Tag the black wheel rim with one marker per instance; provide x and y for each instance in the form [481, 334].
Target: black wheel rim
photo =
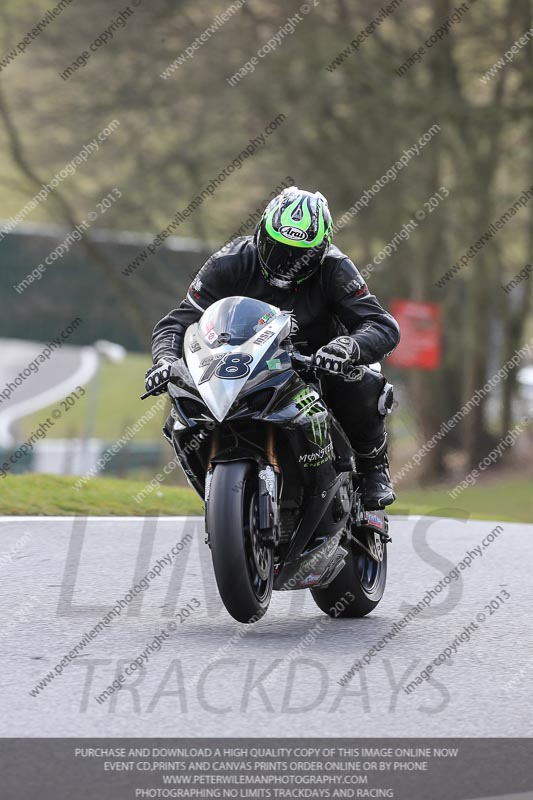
[368, 570]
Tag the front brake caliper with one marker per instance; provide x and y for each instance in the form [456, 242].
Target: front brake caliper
[207, 492]
[269, 527]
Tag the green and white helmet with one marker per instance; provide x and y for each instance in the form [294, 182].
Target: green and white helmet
[293, 236]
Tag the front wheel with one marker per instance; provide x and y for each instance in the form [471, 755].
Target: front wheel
[243, 564]
[358, 587]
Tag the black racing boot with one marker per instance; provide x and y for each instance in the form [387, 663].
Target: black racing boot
[375, 481]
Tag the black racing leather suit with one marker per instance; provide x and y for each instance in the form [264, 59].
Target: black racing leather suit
[334, 302]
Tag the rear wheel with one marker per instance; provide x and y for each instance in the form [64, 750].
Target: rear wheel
[358, 587]
[243, 564]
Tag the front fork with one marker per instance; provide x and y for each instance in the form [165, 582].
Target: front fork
[268, 490]
[269, 522]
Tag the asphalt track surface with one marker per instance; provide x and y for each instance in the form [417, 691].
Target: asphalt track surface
[213, 676]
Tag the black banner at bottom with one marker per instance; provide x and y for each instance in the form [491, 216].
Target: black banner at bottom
[405, 769]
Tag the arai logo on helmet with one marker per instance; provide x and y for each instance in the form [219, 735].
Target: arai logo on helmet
[293, 233]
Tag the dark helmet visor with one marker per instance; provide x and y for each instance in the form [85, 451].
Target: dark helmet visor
[287, 263]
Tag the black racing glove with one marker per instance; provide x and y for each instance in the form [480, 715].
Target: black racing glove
[337, 356]
[157, 377]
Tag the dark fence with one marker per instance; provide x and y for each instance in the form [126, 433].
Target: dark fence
[40, 298]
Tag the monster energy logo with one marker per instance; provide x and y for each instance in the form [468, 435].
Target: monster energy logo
[321, 456]
[310, 404]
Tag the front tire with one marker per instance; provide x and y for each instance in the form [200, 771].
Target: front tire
[243, 565]
[358, 588]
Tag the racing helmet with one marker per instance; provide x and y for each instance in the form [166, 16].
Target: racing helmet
[293, 237]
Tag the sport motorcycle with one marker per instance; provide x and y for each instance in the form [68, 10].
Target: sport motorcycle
[257, 442]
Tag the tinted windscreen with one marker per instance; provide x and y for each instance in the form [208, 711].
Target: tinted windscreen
[234, 320]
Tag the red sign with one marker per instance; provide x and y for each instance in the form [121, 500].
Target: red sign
[420, 326]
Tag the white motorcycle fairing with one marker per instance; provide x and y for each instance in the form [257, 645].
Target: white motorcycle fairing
[221, 371]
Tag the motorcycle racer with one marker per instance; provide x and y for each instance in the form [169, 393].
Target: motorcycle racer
[291, 263]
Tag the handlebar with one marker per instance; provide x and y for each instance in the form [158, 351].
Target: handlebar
[151, 393]
[297, 359]
[308, 362]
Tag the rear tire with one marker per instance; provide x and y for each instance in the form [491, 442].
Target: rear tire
[357, 589]
[244, 567]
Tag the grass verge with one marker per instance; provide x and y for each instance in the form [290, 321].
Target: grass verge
[118, 405]
[53, 495]
[510, 501]
[505, 501]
